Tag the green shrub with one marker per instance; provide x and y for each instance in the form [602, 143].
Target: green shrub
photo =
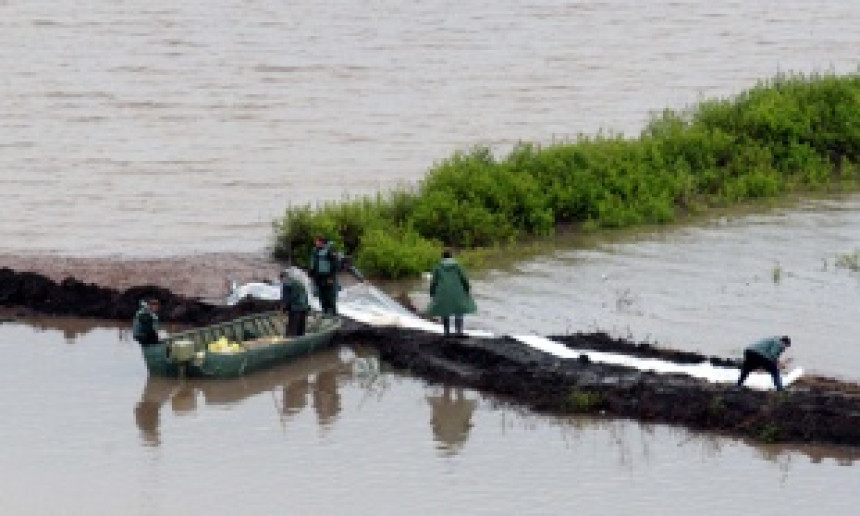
[397, 253]
[793, 133]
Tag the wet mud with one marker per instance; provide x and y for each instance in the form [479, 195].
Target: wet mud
[815, 410]
[30, 293]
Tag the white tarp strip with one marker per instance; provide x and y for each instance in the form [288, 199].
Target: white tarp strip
[367, 304]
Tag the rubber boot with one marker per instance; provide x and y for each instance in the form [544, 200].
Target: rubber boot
[458, 325]
[446, 325]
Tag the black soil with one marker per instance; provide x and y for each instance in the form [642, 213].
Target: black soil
[27, 293]
[814, 410]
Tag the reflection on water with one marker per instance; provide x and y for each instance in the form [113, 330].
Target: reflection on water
[452, 418]
[315, 377]
[277, 438]
[72, 328]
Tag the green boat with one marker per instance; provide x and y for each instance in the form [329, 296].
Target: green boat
[237, 347]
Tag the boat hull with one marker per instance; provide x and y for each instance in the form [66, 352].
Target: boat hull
[261, 338]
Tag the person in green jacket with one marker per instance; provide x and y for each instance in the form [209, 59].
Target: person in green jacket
[764, 354]
[294, 301]
[145, 326]
[323, 270]
[325, 264]
[451, 295]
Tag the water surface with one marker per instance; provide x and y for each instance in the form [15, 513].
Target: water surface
[334, 435]
[172, 127]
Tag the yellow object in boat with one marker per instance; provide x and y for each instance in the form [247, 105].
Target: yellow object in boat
[222, 345]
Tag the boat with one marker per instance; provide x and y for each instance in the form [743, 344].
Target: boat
[237, 347]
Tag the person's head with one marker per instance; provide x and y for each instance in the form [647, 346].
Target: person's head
[447, 253]
[785, 340]
[319, 242]
[153, 304]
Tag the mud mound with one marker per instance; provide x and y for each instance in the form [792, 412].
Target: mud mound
[30, 292]
[201, 276]
[600, 341]
[523, 375]
[817, 410]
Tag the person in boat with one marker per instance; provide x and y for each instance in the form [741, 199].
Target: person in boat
[765, 354]
[450, 293]
[325, 264]
[145, 326]
[294, 301]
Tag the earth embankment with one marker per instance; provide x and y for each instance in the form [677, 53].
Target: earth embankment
[814, 410]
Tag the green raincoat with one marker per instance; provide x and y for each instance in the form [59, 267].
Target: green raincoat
[450, 290]
[770, 348]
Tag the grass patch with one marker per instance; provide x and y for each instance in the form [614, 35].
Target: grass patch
[850, 261]
[584, 401]
[770, 433]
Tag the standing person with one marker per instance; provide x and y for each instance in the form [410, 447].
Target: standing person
[294, 301]
[764, 354]
[145, 326]
[450, 292]
[323, 271]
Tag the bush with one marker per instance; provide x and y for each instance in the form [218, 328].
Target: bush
[397, 253]
[790, 133]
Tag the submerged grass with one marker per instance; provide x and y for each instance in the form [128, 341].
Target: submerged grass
[850, 261]
[789, 134]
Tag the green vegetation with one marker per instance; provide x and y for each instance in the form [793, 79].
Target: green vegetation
[789, 134]
[776, 273]
[717, 406]
[584, 401]
[769, 433]
[850, 261]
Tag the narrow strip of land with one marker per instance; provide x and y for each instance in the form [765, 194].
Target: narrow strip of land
[814, 410]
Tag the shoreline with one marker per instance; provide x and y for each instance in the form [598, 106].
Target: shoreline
[814, 410]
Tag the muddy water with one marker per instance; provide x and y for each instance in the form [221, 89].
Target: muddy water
[335, 435]
[711, 287]
[165, 128]
[170, 127]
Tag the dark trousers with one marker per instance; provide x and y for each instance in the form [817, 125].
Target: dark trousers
[327, 292]
[458, 324]
[753, 361]
[147, 339]
[296, 322]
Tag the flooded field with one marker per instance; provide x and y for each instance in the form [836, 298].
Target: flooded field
[334, 434]
[711, 287]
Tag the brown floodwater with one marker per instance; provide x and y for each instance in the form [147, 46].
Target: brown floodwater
[710, 287]
[87, 432]
[166, 128]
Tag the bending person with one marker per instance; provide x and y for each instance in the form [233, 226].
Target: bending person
[294, 301]
[764, 354]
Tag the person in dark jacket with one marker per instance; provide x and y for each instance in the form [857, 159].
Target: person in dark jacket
[323, 272]
[451, 295]
[764, 354]
[325, 264]
[145, 326]
[294, 301]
